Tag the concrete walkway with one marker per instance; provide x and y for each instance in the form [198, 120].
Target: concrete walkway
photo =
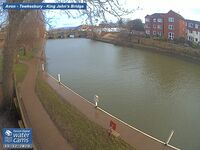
[131, 135]
[45, 134]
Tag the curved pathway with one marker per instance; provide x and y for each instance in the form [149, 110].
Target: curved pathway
[45, 134]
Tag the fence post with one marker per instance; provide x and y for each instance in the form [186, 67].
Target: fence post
[42, 67]
[96, 100]
[58, 78]
[169, 138]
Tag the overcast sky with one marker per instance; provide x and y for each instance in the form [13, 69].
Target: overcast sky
[189, 9]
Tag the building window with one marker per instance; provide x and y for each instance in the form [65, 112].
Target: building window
[147, 32]
[190, 38]
[197, 32]
[160, 20]
[147, 26]
[171, 19]
[170, 27]
[154, 32]
[154, 19]
[159, 27]
[159, 34]
[190, 31]
[196, 39]
[190, 25]
[170, 35]
[147, 19]
[196, 26]
[154, 26]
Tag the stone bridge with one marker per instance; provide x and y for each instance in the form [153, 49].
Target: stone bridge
[61, 34]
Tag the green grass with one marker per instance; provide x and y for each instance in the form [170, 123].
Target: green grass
[20, 71]
[29, 54]
[82, 133]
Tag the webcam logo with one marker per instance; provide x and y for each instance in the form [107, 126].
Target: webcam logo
[8, 133]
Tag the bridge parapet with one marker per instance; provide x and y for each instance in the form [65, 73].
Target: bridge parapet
[60, 34]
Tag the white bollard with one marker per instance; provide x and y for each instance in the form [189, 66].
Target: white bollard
[42, 67]
[169, 138]
[58, 78]
[96, 100]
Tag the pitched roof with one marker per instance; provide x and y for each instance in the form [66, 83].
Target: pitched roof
[155, 15]
[193, 21]
[178, 15]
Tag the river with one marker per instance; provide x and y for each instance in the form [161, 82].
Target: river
[154, 93]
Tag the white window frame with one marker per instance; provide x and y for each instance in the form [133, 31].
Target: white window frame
[148, 32]
[190, 38]
[170, 19]
[170, 27]
[196, 26]
[159, 33]
[147, 26]
[159, 26]
[160, 20]
[170, 35]
[154, 19]
[147, 20]
[190, 25]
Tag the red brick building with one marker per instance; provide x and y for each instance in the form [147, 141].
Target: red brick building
[170, 25]
[154, 24]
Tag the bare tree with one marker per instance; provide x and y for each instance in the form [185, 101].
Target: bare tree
[96, 10]
[99, 10]
[3, 18]
[30, 31]
[15, 18]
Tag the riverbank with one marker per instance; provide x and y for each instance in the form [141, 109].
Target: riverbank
[129, 134]
[75, 126]
[186, 53]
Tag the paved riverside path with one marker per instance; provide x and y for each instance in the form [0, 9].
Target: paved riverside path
[45, 134]
[131, 135]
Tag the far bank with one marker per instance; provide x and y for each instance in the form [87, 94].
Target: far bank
[154, 45]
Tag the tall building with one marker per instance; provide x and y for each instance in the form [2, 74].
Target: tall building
[154, 24]
[193, 31]
[169, 25]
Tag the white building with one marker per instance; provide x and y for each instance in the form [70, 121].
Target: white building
[193, 31]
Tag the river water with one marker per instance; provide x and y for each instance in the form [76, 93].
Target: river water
[155, 93]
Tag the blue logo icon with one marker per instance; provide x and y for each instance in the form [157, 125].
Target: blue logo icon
[8, 133]
[17, 138]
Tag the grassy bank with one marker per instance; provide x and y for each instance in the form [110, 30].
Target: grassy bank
[183, 52]
[20, 71]
[75, 127]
